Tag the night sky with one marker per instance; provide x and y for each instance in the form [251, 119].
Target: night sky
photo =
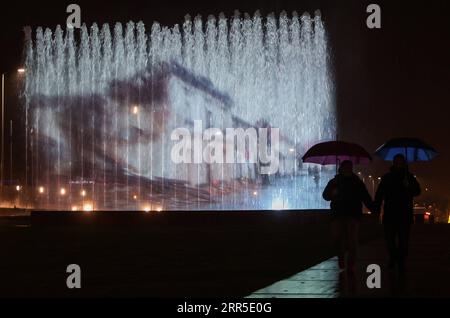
[390, 82]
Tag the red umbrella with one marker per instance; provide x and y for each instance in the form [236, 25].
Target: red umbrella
[334, 152]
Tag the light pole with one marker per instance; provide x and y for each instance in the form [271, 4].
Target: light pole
[373, 184]
[10, 150]
[2, 158]
[362, 177]
[3, 137]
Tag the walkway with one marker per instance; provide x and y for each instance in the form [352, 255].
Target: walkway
[427, 275]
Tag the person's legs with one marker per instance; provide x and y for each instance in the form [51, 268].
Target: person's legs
[337, 233]
[390, 234]
[403, 244]
[352, 242]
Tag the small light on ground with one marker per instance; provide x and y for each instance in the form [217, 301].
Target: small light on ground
[88, 207]
[278, 204]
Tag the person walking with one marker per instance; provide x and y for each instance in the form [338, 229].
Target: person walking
[347, 193]
[397, 189]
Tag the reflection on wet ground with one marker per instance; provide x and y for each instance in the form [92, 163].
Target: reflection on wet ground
[427, 272]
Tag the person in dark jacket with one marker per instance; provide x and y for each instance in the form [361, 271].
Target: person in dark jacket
[397, 189]
[347, 194]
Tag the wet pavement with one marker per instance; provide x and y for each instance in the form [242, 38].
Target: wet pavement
[427, 273]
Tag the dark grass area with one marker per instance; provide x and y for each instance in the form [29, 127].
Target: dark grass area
[171, 254]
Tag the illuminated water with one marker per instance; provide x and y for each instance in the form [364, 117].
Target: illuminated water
[102, 101]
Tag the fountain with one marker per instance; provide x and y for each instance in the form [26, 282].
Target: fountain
[101, 104]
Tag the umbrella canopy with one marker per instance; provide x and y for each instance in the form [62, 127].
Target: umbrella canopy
[413, 149]
[334, 152]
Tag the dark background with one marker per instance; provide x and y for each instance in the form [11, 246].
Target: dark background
[389, 82]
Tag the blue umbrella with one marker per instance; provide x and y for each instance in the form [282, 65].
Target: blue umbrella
[413, 149]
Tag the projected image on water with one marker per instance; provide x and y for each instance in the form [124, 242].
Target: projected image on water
[102, 103]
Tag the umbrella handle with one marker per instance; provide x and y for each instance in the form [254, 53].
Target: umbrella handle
[406, 181]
